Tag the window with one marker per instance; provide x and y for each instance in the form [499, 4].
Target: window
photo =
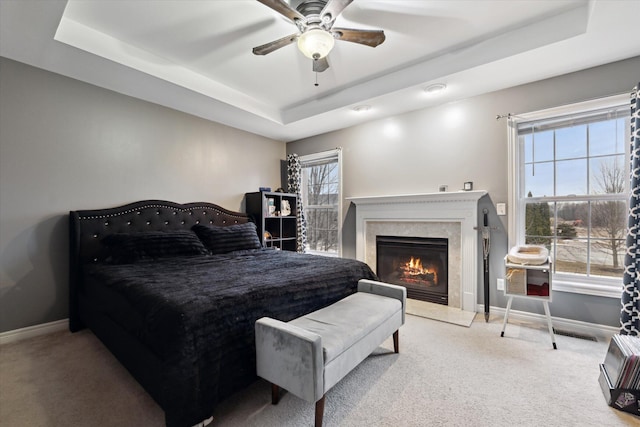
[322, 201]
[569, 186]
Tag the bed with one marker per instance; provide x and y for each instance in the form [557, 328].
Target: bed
[180, 318]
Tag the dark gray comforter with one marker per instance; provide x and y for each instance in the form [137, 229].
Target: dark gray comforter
[197, 314]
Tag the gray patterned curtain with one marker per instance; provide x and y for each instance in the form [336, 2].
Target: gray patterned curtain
[630, 313]
[294, 185]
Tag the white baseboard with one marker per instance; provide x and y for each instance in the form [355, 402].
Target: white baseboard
[33, 331]
[602, 332]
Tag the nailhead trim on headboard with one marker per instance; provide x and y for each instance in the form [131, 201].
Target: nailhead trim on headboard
[176, 210]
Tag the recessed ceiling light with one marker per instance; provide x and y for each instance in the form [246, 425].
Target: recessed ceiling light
[435, 88]
[361, 108]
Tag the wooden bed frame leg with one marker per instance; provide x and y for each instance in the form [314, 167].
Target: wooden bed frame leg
[319, 412]
[275, 394]
[396, 342]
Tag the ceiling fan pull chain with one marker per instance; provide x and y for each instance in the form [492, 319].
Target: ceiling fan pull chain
[316, 83]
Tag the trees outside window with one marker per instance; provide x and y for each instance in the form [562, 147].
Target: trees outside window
[321, 198]
[538, 223]
[609, 217]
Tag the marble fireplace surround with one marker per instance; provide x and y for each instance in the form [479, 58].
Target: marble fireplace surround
[452, 215]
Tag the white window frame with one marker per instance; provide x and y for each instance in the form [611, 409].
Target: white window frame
[319, 157]
[598, 286]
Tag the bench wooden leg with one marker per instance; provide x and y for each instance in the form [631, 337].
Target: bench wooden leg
[396, 342]
[275, 394]
[319, 412]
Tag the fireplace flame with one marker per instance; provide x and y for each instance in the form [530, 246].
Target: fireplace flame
[414, 268]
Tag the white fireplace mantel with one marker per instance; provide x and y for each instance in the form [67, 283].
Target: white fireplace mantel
[445, 207]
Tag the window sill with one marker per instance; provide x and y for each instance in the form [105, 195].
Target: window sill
[606, 291]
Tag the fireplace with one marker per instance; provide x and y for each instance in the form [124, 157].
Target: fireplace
[451, 215]
[418, 263]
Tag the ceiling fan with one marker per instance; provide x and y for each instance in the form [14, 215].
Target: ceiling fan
[316, 35]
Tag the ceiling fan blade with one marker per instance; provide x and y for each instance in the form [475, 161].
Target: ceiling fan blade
[284, 9]
[275, 45]
[367, 37]
[321, 64]
[333, 8]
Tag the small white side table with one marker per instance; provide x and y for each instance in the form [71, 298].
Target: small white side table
[531, 282]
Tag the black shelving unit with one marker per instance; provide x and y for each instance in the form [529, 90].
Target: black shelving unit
[276, 227]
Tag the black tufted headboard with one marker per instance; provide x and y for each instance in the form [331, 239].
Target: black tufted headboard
[88, 227]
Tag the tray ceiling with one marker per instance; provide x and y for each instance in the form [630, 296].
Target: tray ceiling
[195, 56]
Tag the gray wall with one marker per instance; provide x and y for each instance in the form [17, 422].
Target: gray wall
[462, 141]
[67, 145]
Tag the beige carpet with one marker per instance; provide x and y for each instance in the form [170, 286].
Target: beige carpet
[445, 375]
[440, 312]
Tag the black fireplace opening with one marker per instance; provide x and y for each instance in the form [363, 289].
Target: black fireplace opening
[418, 263]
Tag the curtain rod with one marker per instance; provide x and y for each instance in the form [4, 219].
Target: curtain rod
[508, 116]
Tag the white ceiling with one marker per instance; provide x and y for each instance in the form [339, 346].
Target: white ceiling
[195, 56]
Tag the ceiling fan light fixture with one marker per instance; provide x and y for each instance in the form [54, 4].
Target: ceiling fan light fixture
[315, 43]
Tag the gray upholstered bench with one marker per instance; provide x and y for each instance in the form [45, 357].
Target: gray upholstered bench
[309, 355]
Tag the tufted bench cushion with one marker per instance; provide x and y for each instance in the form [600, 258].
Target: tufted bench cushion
[348, 321]
[309, 355]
